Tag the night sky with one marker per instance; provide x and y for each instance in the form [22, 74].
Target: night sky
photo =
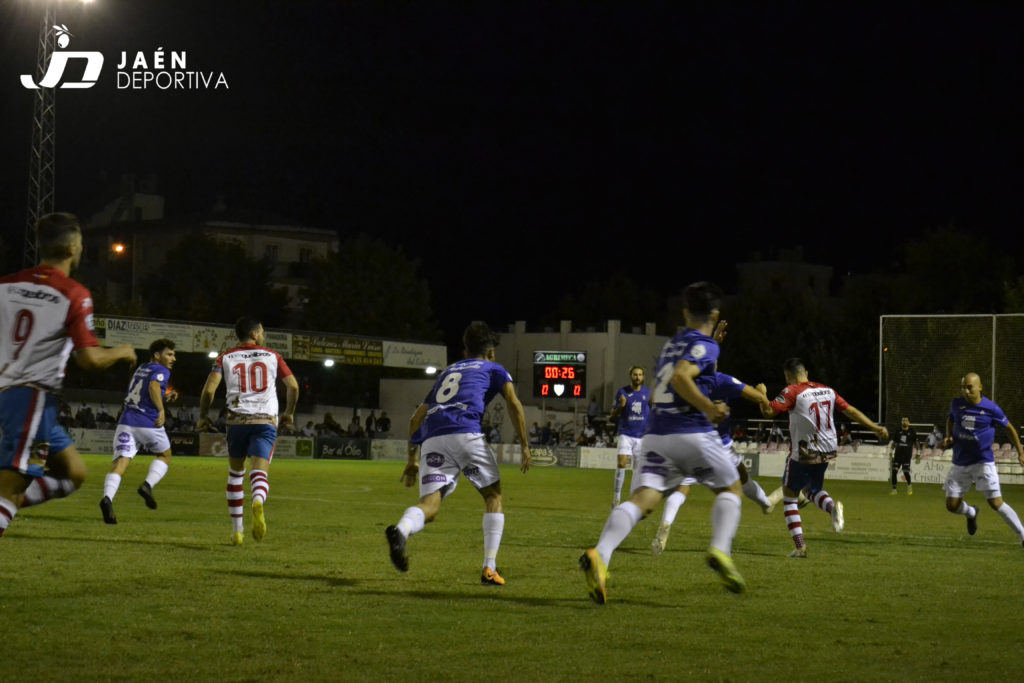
[517, 151]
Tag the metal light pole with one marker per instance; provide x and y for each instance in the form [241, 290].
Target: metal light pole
[42, 160]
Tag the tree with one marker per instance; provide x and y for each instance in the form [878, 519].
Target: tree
[952, 271]
[369, 288]
[207, 280]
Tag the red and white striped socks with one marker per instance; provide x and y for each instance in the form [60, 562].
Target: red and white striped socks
[793, 521]
[236, 498]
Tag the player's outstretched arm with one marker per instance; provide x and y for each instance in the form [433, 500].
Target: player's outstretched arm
[755, 395]
[881, 432]
[766, 407]
[518, 416]
[98, 358]
[683, 384]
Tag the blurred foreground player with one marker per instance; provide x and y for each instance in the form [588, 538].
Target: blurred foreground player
[44, 316]
[446, 425]
[680, 441]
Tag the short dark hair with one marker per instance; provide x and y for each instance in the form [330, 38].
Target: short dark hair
[478, 337]
[54, 234]
[636, 367]
[159, 345]
[794, 366]
[701, 298]
[245, 326]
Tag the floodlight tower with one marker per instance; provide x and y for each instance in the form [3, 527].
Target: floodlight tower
[41, 164]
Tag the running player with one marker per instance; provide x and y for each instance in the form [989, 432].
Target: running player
[250, 373]
[632, 407]
[727, 389]
[446, 440]
[812, 432]
[970, 430]
[44, 316]
[142, 427]
[680, 441]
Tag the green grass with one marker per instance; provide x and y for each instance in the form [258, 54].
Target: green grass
[902, 594]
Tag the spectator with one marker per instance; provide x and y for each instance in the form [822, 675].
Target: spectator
[85, 418]
[383, 425]
[355, 430]
[105, 420]
[331, 426]
[593, 410]
[370, 424]
[535, 434]
[546, 435]
[308, 430]
[588, 436]
[935, 437]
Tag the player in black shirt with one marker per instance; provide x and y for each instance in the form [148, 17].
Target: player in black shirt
[902, 447]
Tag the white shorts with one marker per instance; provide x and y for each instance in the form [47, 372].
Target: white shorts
[736, 458]
[130, 440]
[442, 458]
[629, 445]
[983, 475]
[668, 461]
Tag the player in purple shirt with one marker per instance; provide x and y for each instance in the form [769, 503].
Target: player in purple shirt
[141, 427]
[970, 430]
[680, 441]
[727, 389]
[446, 440]
[632, 408]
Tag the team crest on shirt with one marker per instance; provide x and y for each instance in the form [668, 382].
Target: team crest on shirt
[160, 377]
[698, 351]
[967, 422]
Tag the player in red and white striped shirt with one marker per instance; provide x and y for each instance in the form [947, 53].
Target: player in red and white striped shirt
[812, 432]
[44, 316]
[250, 372]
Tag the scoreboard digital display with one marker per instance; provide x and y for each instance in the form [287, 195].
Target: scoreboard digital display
[559, 374]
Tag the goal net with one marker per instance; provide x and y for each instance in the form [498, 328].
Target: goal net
[922, 359]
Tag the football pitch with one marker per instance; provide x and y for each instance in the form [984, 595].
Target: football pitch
[902, 594]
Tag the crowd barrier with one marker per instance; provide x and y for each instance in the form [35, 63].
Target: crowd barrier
[867, 463]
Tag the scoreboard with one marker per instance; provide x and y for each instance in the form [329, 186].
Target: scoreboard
[559, 374]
